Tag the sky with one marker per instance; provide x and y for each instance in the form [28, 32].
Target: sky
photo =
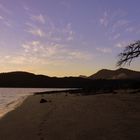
[66, 37]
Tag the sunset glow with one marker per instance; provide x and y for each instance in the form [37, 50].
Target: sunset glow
[66, 37]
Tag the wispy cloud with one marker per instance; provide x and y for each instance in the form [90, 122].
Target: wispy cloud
[5, 10]
[74, 55]
[33, 46]
[26, 8]
[121, 23]
[104, 20]
[52, 43]
[39, 18]
[104, 50]
[116, 24]
[69, 32]
[18, 60]
[51, 52]
[34, 30]
[5, 21]
[1, 18]
[121, 44]
[37, 32]
[130, 29]
[49, 29]
[116, 36]
[40, 49]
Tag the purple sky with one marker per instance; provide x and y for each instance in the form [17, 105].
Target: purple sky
[66, 37]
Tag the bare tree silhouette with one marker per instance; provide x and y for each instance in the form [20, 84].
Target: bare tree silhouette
[129, 53]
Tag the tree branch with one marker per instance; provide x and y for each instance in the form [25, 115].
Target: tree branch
[130, 52]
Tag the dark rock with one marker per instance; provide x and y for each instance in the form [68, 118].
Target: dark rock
[43, 101]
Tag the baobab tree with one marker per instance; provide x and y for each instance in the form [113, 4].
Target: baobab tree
[129, 53]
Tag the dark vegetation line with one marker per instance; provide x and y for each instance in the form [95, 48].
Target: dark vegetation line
[87, 91]
[29, 80]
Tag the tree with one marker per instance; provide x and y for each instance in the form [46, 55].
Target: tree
[129, 53]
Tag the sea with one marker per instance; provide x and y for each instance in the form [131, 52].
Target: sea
[10, 98]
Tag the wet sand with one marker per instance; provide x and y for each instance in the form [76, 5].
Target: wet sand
[94, 117]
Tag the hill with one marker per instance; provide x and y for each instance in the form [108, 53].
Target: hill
[116, 74]
[26, 79]
[103, 80]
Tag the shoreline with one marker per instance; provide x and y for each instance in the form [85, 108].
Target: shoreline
[13, 105]
[14, 102]
[74, 117]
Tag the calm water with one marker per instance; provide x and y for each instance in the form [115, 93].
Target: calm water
[12, 97]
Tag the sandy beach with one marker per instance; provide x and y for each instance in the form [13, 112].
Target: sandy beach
[72, 117]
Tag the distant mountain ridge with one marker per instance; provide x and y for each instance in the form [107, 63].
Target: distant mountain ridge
[27, 79]
[121, 78]
[116, 74]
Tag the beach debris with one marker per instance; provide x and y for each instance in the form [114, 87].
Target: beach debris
[43, 100]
